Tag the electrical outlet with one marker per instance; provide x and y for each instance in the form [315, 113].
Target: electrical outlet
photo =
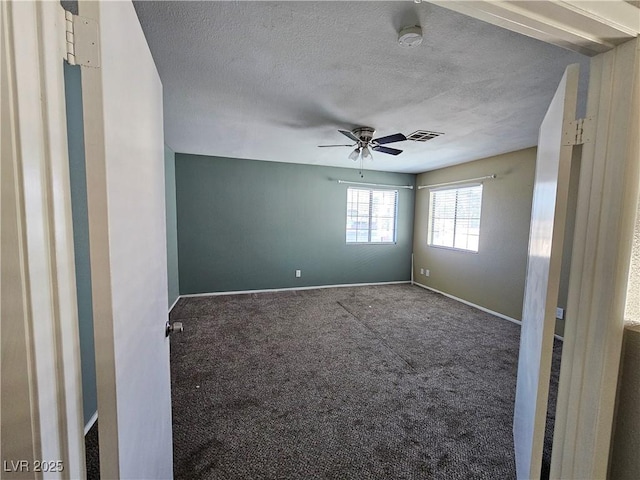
[298, 273]
[559, 313]
[426, 273]
[422, 271]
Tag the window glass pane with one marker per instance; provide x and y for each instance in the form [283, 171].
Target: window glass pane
[362, 236]
[473, 242]
[460, 241]
[454, 217]
[371, 215]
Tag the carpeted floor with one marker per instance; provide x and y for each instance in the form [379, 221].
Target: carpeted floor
[92, 453]
[382, 382]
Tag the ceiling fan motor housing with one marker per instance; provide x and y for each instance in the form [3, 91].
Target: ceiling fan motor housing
[365, 134]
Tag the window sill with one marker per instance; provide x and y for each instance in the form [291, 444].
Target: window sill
[371, 243]
[453, 249]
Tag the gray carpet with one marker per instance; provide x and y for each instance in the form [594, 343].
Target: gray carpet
[92, 453]
[383, 382]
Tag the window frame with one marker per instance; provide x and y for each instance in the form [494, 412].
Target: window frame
[370, 216]
[430, 220]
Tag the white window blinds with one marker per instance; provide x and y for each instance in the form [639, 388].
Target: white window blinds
[371, 215]
[455, 217]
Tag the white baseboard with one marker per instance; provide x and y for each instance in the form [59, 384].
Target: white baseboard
[479, 307]
[174, 303]
[90, 423]
[289, 289]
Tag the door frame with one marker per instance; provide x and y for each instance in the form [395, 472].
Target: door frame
[590, 28]
[605, 222]
[37, 248]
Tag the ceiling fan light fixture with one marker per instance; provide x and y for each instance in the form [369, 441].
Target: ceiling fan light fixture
[365, 143]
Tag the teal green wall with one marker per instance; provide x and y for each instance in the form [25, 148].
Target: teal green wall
[78, 180]
[172, 229]
[245, 225]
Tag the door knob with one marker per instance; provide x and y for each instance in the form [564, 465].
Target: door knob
[175, 327]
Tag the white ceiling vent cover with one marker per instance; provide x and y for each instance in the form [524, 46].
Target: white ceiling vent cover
[423, 135]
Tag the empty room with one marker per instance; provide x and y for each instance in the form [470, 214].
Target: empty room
[320, 240]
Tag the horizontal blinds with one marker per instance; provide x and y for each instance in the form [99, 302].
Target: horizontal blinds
[371, 215]
[455, 217]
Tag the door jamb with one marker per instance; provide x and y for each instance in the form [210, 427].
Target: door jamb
[34, 46]
[605, 221]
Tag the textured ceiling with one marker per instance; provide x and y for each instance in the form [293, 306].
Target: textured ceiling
[272, 80]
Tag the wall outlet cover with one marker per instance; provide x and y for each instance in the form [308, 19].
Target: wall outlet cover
[298, 273]
[559, 313]
[422, 271]
[427, 273]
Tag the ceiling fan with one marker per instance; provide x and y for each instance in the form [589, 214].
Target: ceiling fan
[364, 143]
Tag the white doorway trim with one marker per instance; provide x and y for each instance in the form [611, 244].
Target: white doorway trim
[588, 27]
[605, 221]
[39, 311]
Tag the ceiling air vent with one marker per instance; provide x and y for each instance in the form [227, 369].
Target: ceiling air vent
[423, 135]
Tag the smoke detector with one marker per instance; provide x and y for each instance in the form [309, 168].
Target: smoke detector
[410, 36]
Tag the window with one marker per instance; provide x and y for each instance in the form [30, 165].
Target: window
[454, 220]
[371, 215]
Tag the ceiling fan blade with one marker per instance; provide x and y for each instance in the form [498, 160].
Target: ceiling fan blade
[350, 145]
[390, 151]
[347, 133]
[397, 137]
